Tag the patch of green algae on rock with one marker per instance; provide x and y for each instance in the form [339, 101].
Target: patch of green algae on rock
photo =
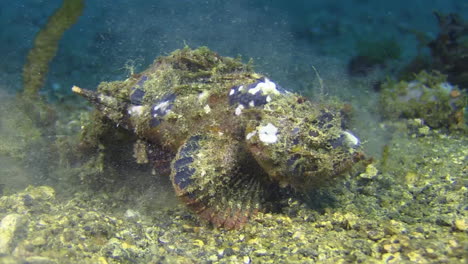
[410, 207]
[428, 97]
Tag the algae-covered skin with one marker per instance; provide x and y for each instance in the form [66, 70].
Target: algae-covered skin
[428, 97]
[233, 135]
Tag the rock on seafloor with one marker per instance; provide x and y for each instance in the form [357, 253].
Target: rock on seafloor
[9, 227]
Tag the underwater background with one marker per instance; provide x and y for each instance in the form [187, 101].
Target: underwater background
[399, 68]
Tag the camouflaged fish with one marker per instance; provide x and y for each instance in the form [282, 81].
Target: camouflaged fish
[234, 136]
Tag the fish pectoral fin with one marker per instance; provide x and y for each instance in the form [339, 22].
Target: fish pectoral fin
[206, 176]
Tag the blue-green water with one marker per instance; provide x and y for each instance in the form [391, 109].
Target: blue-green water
[408, 206]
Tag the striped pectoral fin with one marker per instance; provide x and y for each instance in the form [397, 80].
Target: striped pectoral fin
[183, 169]
[214, 186]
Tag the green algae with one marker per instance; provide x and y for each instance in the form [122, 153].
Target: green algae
[428, 97]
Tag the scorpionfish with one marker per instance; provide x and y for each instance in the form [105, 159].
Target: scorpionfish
[234, 137]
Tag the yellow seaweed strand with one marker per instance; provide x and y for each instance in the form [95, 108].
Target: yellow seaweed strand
[46, 44]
